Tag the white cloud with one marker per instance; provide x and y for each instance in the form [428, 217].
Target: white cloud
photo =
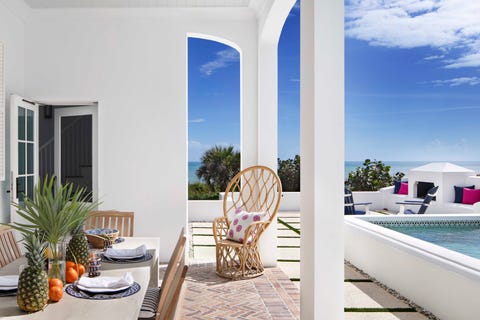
[198, 120]
[223, 60]
[434, 57]
[472, 81]
[197, 144]
[423, 110]
[196, 149]
[439, 24]
[469, 60]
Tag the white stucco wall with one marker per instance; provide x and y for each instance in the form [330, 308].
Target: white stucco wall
[12, 30]
[133, 62]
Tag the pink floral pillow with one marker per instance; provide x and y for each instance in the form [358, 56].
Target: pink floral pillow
[240, 221]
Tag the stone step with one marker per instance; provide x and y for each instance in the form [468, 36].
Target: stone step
[384, 316]
[364, 295]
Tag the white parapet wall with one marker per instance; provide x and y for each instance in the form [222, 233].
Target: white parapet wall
[207, 210]
[204, 210]
[290, 201]
[441, 281]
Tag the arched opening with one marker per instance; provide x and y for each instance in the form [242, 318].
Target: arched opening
[289, 102]
[214, 106]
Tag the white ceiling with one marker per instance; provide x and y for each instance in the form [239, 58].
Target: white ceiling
[136, 3]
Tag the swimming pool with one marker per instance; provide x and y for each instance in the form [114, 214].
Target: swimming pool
[457, 235]
[422, 268]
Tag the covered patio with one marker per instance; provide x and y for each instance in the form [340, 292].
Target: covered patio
[128, 60]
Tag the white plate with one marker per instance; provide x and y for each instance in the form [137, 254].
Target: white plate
[100, 290]
[7, 288]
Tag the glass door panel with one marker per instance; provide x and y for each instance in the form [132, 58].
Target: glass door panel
[26, 155]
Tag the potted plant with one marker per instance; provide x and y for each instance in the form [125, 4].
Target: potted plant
[54, 210]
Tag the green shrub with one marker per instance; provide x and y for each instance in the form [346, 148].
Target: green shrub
[200, 191]
[289, 173]
[372, 176]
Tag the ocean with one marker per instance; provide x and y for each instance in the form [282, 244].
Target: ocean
[395, 166]
[192, 171]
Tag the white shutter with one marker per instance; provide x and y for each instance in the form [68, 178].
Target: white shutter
[2, 115]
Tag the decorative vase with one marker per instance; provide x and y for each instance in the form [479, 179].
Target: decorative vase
[56, 260]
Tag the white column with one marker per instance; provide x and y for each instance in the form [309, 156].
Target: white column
[322, 154]
[267, 132]
[268, 104]
[248, 108]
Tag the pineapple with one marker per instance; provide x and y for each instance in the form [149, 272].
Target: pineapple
[77, 249]
[32, 294]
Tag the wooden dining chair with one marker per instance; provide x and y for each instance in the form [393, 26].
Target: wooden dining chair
[9, 250]
[169, 310]
[120, 220]
[159, 300]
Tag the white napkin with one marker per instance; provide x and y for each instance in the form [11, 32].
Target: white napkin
[106, 282]
[8, 282]
[126, 253]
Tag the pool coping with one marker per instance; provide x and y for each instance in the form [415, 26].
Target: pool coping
[440, 280]
[452, 260]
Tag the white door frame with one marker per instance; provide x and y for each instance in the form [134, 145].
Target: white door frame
[16, 102]
[78, 111]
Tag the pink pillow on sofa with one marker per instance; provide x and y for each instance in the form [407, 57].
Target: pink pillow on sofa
[470, 196]
[404, 188]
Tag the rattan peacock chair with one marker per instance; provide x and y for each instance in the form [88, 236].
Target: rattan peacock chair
[253, 190]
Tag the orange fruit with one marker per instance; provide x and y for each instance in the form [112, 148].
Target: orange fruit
[55, 282]
[70, 264]
[80, 269]
[71, 275]
[55, 293]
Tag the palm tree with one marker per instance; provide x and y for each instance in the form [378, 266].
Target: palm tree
[219, 166]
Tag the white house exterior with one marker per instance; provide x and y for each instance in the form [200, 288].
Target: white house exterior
[442, 174]
[130, 58]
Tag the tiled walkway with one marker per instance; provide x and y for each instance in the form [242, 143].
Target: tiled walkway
[276, 294]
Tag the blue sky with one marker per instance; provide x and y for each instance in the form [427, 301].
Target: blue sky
[412, 83]
[213, 96]
[214, 107]
[412, 80]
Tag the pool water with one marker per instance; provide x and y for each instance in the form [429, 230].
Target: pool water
[463, 238]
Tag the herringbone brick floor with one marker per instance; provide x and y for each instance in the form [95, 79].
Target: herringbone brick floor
[208, 296]
[275, 295]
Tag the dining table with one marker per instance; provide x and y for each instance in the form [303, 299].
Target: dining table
[144, 271]
[73, 308]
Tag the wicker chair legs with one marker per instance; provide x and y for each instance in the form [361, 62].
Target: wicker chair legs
[238, 261]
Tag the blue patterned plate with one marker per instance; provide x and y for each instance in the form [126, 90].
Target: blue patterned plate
[74, 291]
[148, 256]
[8, 293]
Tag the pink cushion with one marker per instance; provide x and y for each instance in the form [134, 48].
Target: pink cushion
[239, 223]
[470, 196]
[403, 188]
